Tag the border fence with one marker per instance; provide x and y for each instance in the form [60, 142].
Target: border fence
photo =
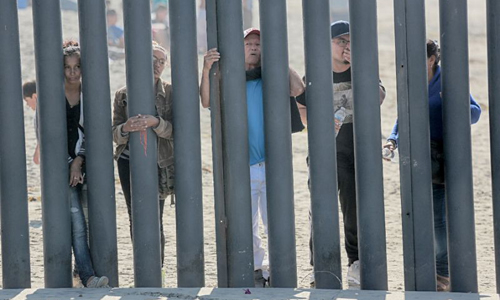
[230, 144]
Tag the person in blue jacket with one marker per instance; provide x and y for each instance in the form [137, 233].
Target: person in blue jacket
[437, 158]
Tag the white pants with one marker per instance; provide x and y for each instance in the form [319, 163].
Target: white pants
[259, 204]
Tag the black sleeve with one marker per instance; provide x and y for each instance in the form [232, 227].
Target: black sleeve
[301, 98]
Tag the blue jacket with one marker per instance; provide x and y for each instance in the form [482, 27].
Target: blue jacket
[436, 110]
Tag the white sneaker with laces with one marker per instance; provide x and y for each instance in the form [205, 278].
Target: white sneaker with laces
[98, 282]
[353, 277]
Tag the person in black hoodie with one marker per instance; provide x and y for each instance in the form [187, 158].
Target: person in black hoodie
[346, 176]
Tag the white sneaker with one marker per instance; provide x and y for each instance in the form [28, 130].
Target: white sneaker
[98, 282]
[353, 277]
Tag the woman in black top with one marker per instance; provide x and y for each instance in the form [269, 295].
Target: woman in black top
[76, 159]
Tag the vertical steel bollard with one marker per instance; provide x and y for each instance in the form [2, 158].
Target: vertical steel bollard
[235, 140]
[53, 143]
[143, 145]
[217, 158]
[457, 146]
[98, 138]
[493, 10]
[189, 206]
[413, 122]
[322, 147]
[369, 181]
[278, 143]
[13, 195]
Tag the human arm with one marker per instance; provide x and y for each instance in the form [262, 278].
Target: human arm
[161, 127]
[303, 113]
[394, 137]
[392, 140]
[382, 92]
[36, 154]
[120, 117]
[164, 129]
[123, 125]
[296, 84]
[210, 57]
[301, 104]
[76, 175]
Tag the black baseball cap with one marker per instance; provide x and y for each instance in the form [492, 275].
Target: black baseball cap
[339, 28]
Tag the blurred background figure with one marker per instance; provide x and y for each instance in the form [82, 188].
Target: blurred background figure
[156, 3]
[160, 25]
[115, 32]
[202, 27]
[339, 10]
[69, 5]
[247, 14]
[116, 41]
[30, 97]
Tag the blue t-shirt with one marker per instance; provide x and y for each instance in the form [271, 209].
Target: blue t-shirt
[255, 111]
[115, 33]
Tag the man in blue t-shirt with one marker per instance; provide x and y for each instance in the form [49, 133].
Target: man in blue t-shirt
[257, 151]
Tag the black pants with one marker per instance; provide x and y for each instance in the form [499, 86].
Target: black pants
[347, 197]
[346, 179]
[124, 173]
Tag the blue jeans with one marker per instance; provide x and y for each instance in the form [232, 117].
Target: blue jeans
[79, 235]
[440, 233]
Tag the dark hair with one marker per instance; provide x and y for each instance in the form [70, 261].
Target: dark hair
[433, 49]
[70, 48]
[29, 88]
[111, 12]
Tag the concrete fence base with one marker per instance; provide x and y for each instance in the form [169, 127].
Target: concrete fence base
[232, 294]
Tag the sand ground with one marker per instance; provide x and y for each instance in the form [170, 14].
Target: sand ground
[480, 139]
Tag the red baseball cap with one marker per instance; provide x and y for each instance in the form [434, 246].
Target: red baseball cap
[250, 31]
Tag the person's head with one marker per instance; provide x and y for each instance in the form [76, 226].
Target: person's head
[159, 60]
[111, 17]
[341, 42]
[71, 53]
[29, 93]
[161, 13]
[252, 48]
[433, 57]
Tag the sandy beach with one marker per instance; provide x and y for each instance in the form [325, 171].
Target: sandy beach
[386, 40]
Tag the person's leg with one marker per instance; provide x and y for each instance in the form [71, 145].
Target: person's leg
[263, 216]
[79, 236]
[85, 208]
[258, 250]
[263, 197]
[311, 251]
[440, 234]
[162, 235]
[347, 198]
[124, 174]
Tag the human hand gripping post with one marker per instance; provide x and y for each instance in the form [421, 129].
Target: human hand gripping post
[388, 151]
